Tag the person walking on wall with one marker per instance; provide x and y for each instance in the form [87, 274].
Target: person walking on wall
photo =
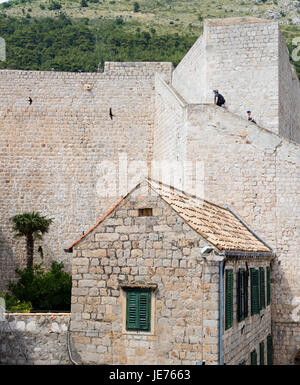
[219, 99]
[250, 118]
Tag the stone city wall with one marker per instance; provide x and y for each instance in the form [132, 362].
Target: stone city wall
[286, 342]
[189, 77]
[289, 95]
[52, 150]
[242, 62]
[34, 339]
[255, 172]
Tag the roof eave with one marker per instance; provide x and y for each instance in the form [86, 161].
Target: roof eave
[249, 254]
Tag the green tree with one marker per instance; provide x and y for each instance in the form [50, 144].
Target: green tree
[54, 5]
[43, 290]
[31, 226]
[136, 7]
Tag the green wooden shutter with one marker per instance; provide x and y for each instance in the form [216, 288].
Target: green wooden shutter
[262, 289]
[246, 292]
[132, 310]
[239, 295]
[269, 350]
[268, 286]
[253, 357]
[262, 353]
[242, 295]
[254, 291]
[228, 298]
[144, 310]
[138, 310]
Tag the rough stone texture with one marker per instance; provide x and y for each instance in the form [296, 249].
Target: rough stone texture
[289, 95]
[161, 250]
[245, 336]
[247, 60]
[36, 339]
[286, 341]
[52, 151]
[254, 171]
[189, 77]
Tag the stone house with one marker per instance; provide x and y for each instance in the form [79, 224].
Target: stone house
[168, 278]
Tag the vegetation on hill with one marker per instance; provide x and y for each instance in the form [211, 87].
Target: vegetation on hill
[76, 35]
[166, 16]
[69, 45]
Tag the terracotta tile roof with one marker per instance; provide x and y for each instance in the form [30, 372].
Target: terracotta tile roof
[214, 223]
[70, 248]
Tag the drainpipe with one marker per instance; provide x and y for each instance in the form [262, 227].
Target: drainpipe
[221, 312]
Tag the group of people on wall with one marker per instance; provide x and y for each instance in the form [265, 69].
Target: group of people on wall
[220, 101]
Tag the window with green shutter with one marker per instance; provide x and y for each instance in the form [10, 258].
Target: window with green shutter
[228, 298]
[253, 357]
[268, 285]
[269, 350]
[262, 353]
[254, 278]
[242, 294]
[262, 288]
[138, 309]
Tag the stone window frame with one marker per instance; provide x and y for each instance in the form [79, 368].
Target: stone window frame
[151, 287]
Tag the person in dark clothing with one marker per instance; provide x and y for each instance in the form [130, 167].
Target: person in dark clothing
[219, 99]
[250, 118]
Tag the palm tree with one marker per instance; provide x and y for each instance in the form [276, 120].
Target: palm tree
[32, 226]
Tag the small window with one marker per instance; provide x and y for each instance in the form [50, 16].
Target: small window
[138, 309]
[147, 212]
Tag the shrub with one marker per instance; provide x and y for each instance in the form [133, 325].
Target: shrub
[14, 305]
[136, 7]
[54, 5]
[49, 290]
[119, 20]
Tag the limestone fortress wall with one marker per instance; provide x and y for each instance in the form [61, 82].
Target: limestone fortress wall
[52, 151]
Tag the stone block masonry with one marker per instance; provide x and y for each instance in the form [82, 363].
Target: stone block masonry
[247, 60]
[162, 250]
[39, 339]
[52, 151]
[52, 155]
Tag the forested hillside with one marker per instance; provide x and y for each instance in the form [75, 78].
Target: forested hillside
[47, 34]
[68, 45]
